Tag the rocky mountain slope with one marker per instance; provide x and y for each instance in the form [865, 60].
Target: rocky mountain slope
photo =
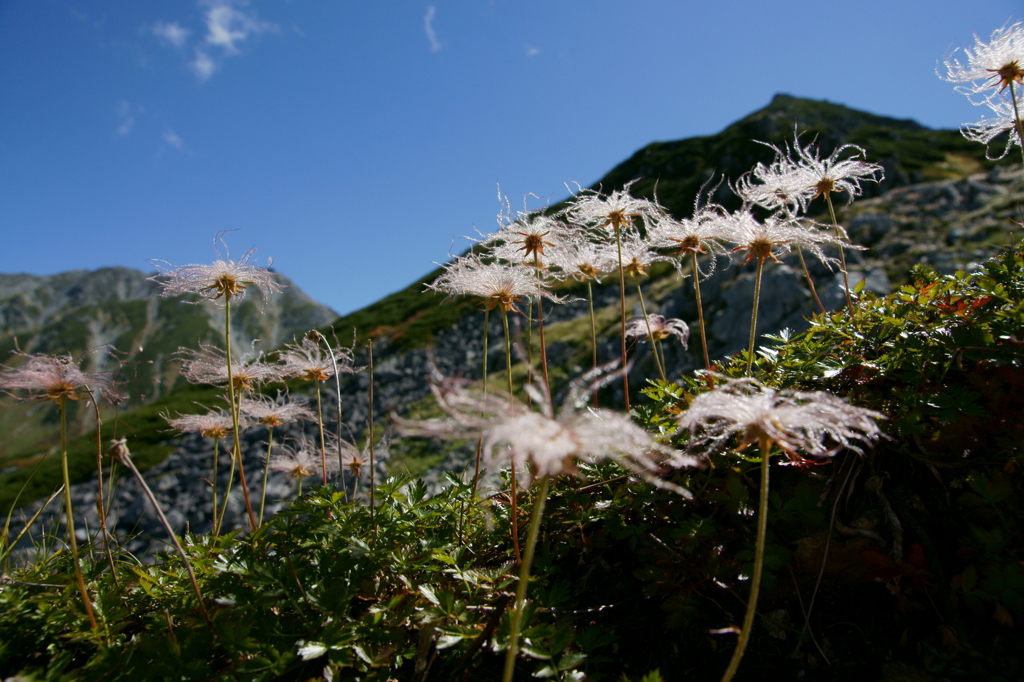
[119, 308]
[74, 311]
[942, 204]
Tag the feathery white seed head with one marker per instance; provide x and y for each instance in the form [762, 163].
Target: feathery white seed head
[816, 424]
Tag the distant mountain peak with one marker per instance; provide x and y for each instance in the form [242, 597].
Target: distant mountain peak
[909, 151]
[72, 311]
[835, 121]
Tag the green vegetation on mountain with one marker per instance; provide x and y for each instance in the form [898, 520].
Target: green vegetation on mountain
[407, 319]
[33, 477]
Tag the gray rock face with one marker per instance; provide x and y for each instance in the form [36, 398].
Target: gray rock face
[181, 484]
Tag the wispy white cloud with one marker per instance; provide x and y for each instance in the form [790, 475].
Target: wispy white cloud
[203, 66]
[85, 18]
[126, 112]
[171, 31]
[428, 26]
[531, 51]
[172, 138]
[227, 25]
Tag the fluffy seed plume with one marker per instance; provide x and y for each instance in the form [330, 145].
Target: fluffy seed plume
[816, 424]
[213, 424]
[57, 377]
[773, 237]
[308, 360]
[525, 238]
[777, 186]
[988, 129]
[498, 285]
[581, 260]
[660, 328]
[596, 211]
[835, 174]
[270, 412]
[988, 68]
[301, 459]
[209, 365]
[225, 279]
[543, 444]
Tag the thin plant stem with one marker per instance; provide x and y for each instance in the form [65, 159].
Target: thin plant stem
[234, 413]
[514, 514]
[487, 318]
[245, 491]
[753, 318]
[122, 454]
[524, 580]
[1016, 119]
[227, 494]
[508, 356]
[803, 264]
[320, 428]
[479, 451]
[100, 507]
[700, 312]
[337, 385]
[7, 547]
[593, 332]
[650, 334]
[529, 342]
[803, 610]
[476, 477]
[810, 280]
[659, 349]
[62, 409]
[540, 330]
[622, 311]
[373, 522]
[515, 493]
[216, 456]
[111, 476]
[291, 569]
[755, 580]
[266, 471]
[842, 256]
[480, 441]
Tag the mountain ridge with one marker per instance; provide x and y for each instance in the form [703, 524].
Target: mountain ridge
[909, 152]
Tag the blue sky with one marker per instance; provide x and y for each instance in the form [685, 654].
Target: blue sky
[354, 141]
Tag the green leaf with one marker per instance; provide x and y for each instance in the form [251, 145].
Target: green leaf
[429, 593]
